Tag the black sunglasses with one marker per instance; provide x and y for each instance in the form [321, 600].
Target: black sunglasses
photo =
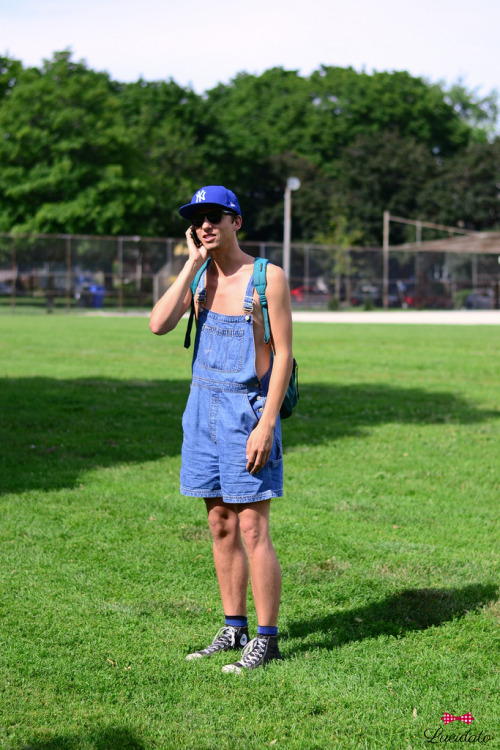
[213, 217]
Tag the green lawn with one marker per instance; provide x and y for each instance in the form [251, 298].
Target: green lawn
[387, 538]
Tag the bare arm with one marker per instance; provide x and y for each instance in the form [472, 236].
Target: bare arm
[175, 302]
[280, 320]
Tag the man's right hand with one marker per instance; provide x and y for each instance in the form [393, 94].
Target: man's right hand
[197, 254]
[176, 301]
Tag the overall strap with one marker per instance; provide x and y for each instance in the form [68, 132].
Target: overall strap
[248, 301]
[201, 289]
[196, 281]
[259, 280]
[202, 295]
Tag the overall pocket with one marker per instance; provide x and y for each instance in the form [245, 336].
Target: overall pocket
[221, 349]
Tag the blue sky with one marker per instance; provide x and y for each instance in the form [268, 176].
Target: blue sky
[199, 44]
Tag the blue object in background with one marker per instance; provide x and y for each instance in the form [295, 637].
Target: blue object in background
[97, 293]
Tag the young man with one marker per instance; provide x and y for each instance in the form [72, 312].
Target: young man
[231, 453]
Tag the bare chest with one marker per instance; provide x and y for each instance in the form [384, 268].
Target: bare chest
[227, 296]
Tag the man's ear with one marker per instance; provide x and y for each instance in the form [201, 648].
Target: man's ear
[238, 221]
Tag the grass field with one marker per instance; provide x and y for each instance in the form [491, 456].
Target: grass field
[387, 538]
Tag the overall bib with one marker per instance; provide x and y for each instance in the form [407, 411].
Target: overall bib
[225, 403]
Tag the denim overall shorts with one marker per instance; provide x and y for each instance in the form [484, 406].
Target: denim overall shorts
[225, 403]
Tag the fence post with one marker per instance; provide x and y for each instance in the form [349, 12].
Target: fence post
[307, 279]
[417, 259]
[120, 273]
[348, 289]
[14, 277]
[385, 258]
[68, 272]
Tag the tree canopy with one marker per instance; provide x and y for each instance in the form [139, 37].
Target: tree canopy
[82, 153]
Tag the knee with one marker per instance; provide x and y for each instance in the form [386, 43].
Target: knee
[253, 533]
[222, 525]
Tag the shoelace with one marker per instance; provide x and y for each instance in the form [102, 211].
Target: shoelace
[253, 651]
[226, 636]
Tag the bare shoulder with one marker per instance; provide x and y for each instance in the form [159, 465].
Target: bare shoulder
[280, 309]
[278, 298]
[274, 271]
[276, 279]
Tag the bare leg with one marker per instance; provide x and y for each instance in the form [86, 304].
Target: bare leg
[229, 556]
[265, 572]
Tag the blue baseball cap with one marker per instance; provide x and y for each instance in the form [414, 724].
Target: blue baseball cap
[215, 195]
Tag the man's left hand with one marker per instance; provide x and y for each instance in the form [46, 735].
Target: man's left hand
[259, 446]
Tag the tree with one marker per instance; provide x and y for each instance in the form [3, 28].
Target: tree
[261, 116]
[327, 122]
[347, 104]
[384, 171]
[465, 189]
[164, 125]
[337, 235]
[479, 112]
[9, 72]
[82, 153]
[68, 161]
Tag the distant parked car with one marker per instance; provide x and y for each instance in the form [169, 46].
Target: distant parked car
[482, 300]
[18, 287]
[397, 293]
[299, 292]
[427, 296]
[374, 294]
[367, 293]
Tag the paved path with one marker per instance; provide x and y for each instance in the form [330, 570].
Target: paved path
[419, 317]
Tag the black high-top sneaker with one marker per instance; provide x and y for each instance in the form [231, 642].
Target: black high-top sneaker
[229, 638]
[259, 652]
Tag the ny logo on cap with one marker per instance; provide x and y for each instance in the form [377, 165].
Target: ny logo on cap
[201, 196]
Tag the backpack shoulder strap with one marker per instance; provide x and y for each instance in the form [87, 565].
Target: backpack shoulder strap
[193, 286]
[260, 282]
[199, 273]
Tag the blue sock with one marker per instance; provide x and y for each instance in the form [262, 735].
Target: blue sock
[237, 621]
[265, 630]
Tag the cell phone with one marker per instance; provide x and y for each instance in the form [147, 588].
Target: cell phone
[195, 239]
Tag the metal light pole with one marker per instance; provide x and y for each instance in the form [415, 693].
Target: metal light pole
[292, 184]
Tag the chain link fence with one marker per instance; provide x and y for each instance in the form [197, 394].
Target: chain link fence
[75, 272]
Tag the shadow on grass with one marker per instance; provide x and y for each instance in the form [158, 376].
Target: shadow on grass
[114, 738]
[52, 431]
[414, 609]
[329, 413]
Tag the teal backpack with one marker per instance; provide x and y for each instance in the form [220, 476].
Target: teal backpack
[260, 283]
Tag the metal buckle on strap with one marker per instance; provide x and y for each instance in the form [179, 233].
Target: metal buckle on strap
[201, 292]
